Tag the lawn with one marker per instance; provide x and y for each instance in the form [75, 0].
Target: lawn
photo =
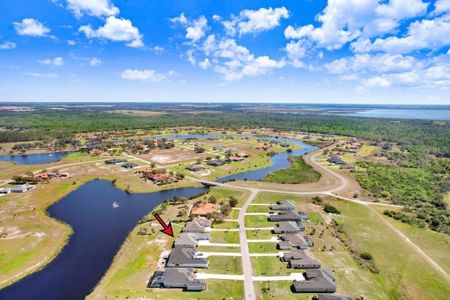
[272, 198]
[224, 265]
[258, 209]
[258, 222]
[259, 234]
[225, 237]
[262, 247]
[270, 266]
[270, 290]
[298, 172]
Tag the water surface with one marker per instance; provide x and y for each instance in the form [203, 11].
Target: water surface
[36, 158]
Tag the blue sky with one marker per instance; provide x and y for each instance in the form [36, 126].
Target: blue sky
[347, 51]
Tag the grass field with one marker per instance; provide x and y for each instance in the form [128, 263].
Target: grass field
[299, 172]
[262, 247]
[258, 222]
[224, 265]
[269, 266]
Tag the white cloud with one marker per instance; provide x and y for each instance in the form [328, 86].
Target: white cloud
[96, 8]
[195, 29]
[205, 64]
[57, 61]
[145, 75]
[116, 29]
[94, 61]
[31, 27]
[295, 52]
[425, 34]
[442, 6]
[158, 49]
[343, 21]
[42, 75]
[7, 45]
[254, 21]
[71, 43]
[377, 81]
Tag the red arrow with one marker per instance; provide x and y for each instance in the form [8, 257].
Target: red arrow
[167, 228]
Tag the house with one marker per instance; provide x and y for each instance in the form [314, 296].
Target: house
[288, 227]
[216, 162]
[289, 241]
[190, 239]
[203, 209]
[184, 257]
[218, 148]
[242, 154]
[115, 161]
[159, 178]
[283, 205]
[5, 190]
[197, 225]
[303, 216]
[284, 145]
[301, 259]
[316, 281]
[263, 146]
[348, 167]
[195, 168]
[146, 170]
[336, 159]
[177, 278]
[129, 165]
[21, 188]
[237, 158]
[285, 215]
[334, 297]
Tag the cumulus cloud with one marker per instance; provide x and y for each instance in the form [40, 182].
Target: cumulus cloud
[94, 61]
[441, 6]
[96, 8]
[425, 34]
[7, 45]
[71, 43]
[31, 27]
[116, 29]
[345, 21]
[144, 75]
[254, 21]
[57, 61]
[195, 29]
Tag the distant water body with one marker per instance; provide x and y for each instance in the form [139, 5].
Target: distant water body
[409, 113]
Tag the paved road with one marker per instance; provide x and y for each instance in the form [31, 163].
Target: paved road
[249, 288]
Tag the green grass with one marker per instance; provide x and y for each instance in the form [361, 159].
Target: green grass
[224, 265]
[404, 274]
[270, 266]
[315, 217]
[225, 237]
[259, 234]
[226, 225]
[258, 209]
[258, 222]
[262, 247]
[270, 290]
[272, 198]
[298, 172]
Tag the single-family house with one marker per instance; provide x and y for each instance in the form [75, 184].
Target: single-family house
[285, 215]
[195, 168]
[190, 239]
[301, 259]
[336, 159]
[289, 241]
[334, 297]
[288, 227]
[216, 162]
[178, 278]
[316, 281]
[203, 209]
[129, 165]
[21, 188]
[283, 205]
[185, 257]
[197, 225]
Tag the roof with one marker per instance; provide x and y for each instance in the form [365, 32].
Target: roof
[287, 226]
[185, 257]
[283, 205]
[195, 168]
[203, 209]
[159, 176]
[316, 280]
[301, 259]
[189, 239]
[285, 215]
[177, 278]
[292, 241]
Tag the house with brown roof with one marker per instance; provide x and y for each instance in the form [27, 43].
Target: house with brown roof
[203, 209]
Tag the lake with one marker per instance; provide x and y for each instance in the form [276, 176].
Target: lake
[36, 158]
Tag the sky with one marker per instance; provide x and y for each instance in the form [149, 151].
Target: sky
[302, 51]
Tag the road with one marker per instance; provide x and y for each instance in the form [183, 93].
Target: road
[249, 287]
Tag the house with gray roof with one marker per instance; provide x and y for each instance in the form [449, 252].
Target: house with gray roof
[185, 257]
[289, 241]
[301, 259]
[288, 227]
[285, 215]
[283, 205]
[333, 297]
[316, 281]
[5, 190]
[190, 239]
[177, 278]
[197, 225]
[21, 188]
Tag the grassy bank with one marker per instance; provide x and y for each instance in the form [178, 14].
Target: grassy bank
[298, 172]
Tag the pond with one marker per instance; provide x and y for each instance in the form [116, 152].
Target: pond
[36, 158]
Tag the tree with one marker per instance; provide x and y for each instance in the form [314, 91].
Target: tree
[233, 201]
[328, 208]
